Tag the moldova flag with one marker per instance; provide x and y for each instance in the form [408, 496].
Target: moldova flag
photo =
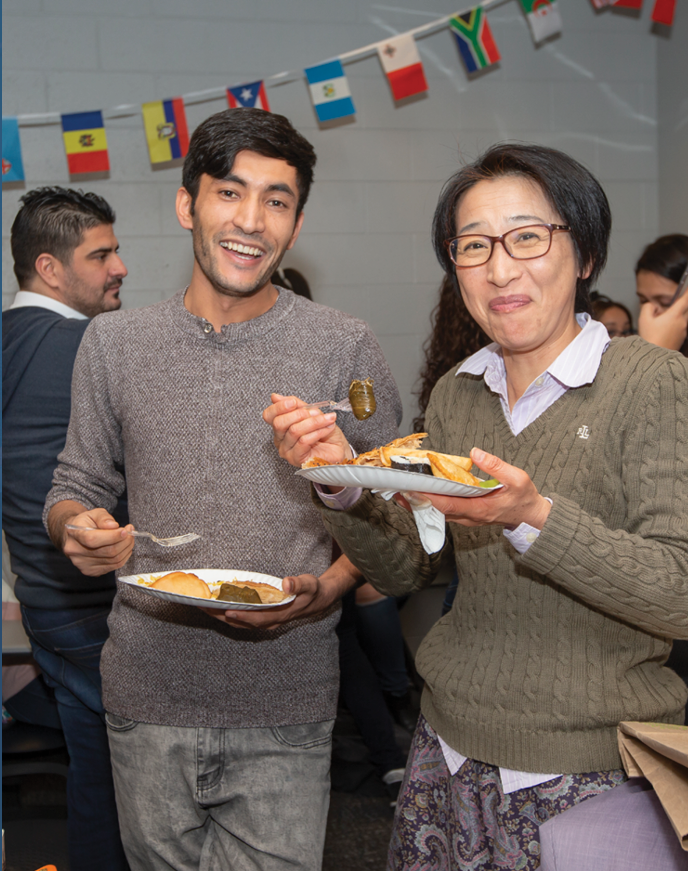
[166, 131]
[330, 91]
[402, 65]
[85, 142]
[474, 39]
[250, 96]
[12, 166]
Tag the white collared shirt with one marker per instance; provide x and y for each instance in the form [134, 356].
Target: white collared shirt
[26, 298]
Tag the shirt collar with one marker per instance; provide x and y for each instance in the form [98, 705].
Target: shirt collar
[25, 298]
[576, 365]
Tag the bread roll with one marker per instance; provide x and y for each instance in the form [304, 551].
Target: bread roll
[184, 584]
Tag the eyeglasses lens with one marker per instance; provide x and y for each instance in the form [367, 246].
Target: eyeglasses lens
[523, 243]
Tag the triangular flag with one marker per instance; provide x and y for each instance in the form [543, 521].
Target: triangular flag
[251, 96]
[543, 18]
[166, 131]
[402, 64]
[474, 39]
[85, 142]
[12, 166]
[330, 91]
[664, 10]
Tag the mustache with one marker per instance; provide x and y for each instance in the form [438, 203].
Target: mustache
[116, 283]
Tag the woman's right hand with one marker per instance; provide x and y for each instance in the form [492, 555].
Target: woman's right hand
[301, 433]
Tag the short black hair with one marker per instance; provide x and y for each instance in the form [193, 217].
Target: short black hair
[667, 256]
[217, 141]
[570, 188]
[52, 220]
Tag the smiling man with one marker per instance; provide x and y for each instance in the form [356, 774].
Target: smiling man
[68, 269]
[220, 729]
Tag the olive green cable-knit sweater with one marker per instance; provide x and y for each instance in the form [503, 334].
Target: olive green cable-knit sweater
[543, 654]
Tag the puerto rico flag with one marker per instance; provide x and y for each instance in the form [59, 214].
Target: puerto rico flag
[251, 96]
[663, 12]
[166, 132]
[12, 166]
[402, 65]
[330, 91]
[85, 142]
[474, 39]
[543, 18]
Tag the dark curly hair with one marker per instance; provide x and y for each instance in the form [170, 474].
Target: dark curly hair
[571, 189]
[53, 220]
[455, 336]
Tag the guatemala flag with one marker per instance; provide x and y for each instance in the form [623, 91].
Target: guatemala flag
[330, 91]
[251, 96]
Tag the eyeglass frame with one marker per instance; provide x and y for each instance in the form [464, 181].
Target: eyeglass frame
[494, 239]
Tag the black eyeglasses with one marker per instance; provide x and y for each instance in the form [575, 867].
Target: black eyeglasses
[523, 243]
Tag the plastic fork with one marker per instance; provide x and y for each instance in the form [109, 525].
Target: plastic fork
[163, 542]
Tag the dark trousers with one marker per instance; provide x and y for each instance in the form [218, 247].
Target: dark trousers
[360, 691]
[67, 646]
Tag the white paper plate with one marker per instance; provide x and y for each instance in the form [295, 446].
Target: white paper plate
[213, 578]
[383, 478]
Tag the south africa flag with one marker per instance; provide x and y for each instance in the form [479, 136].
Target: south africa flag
[474, 39]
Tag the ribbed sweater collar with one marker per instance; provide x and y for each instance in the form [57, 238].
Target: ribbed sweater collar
[197, 327]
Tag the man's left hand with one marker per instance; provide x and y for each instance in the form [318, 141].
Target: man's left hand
[313, 596]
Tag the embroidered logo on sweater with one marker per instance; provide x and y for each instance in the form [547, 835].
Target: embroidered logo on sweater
[583, 432]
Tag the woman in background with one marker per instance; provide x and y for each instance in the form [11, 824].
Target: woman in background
[663, 320]
[614, 315]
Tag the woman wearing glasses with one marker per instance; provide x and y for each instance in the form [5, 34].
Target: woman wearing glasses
[575, 573]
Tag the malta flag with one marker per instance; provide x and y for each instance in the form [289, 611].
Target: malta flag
[543, 18]
[251, 96]
[12, 165]
[474, 39]
[85, 142]
[402, 65]
[330, 91]
[663, 12]
[166, 131]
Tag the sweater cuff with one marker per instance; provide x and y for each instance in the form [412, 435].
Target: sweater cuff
[555, 537]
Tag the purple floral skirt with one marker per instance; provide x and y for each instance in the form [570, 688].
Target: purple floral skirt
[465, 822]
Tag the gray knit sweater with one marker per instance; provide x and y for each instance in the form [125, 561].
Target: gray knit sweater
[180, 409]
[543, 654]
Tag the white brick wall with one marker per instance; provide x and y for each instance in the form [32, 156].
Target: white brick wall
[365, 247]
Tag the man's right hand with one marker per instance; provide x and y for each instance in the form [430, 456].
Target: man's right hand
[100, 547]
[302, 433]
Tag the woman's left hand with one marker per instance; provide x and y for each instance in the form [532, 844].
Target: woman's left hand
[518, 501]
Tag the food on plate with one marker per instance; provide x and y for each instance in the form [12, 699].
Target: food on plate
[238, 593]
[406, 453]
[269, 595]
[362, 398]
[184, 584]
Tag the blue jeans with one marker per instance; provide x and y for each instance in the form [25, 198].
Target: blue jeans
[205, 799]
[66, 646]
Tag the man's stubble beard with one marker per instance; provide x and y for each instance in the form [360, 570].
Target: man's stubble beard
[80, 297]
[206, 263]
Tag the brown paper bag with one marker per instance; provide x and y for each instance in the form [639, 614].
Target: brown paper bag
[659, 752]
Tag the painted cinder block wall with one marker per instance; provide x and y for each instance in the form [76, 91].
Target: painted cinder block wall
[365, 247]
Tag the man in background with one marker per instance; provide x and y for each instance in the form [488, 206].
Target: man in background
[68, 269]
